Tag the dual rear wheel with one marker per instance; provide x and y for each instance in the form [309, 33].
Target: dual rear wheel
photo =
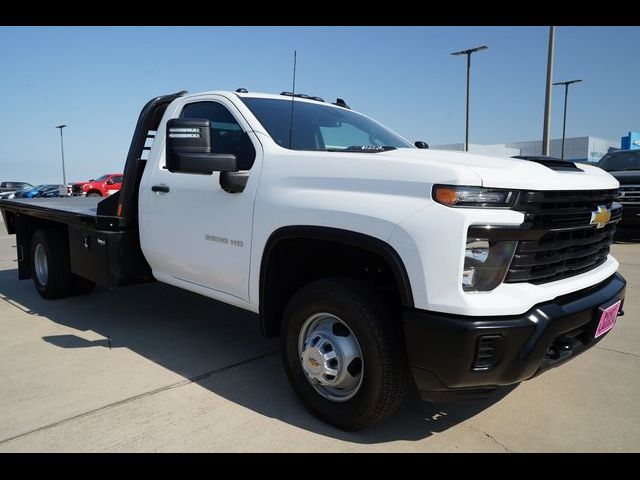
[51, 266]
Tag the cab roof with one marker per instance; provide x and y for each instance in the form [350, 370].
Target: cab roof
[273, 96]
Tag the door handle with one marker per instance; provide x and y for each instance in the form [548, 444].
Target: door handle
[160, 188]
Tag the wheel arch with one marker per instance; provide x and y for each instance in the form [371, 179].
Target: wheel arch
[270, 308]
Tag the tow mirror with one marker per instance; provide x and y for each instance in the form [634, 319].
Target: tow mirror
[189, 148]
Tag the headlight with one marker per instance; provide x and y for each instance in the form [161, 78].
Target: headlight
[486, 263]
[461, 196]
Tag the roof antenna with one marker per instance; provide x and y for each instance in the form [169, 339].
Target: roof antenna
[293, 96]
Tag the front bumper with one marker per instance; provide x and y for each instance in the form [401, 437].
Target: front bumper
[443, 349]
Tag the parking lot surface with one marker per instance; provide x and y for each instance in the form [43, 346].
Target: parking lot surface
[154, 368]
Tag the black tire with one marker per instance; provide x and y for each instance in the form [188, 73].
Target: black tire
[59, 280]
[93, 194]
[386, 376]
[82, 286]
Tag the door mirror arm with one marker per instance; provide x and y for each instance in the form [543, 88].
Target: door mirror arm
[234, 182]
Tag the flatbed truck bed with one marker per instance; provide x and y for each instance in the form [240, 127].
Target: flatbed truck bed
[100, 249]
[66, 209]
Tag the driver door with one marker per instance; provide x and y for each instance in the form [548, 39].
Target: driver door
[198, 236]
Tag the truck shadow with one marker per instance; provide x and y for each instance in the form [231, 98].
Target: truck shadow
[214, 345]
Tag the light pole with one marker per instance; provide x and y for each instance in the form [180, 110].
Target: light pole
[546, 129]
[564, 122]
[64, 176]
[468, 54]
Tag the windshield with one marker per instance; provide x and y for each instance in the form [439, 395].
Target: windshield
[102, 178]
[620, 161]
[320, 127]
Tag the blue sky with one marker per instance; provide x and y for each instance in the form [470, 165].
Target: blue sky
[96, 79]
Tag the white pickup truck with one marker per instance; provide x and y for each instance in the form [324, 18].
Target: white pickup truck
[378, 263]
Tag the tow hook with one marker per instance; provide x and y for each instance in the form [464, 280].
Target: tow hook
[561, 348]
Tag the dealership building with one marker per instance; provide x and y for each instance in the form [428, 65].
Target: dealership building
[577, 149]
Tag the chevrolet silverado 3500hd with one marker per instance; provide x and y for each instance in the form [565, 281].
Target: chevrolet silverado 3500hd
[378, 263]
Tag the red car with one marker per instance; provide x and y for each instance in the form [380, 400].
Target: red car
[101, 187]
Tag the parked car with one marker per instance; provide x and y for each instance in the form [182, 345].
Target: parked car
[11, 195]
[39, 191]
[103, 186]
[8, 189]
[75, 189]
[54, 191]
[8, 195]
[625, 166]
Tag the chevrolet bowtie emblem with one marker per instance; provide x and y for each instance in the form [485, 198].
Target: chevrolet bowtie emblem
[600, 217]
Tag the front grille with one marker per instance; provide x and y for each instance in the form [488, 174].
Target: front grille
[631, 194]
[76, 189]
[563, 209]
[569, 245]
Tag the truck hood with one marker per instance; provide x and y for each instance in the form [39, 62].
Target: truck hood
[627, 177]
[509, 172]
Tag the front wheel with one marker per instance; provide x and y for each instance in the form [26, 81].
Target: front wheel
[344, 353]
[93, 194]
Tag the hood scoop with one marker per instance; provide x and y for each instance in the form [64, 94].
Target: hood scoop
[552, 163]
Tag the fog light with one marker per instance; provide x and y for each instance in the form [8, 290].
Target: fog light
[488, 352]
[486, 263]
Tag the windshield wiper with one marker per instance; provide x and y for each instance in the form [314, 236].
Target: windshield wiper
[363, 148]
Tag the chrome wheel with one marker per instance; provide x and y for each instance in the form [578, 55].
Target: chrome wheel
[330, 356]
[41, 265]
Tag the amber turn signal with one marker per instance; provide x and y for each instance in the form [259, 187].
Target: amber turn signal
[446, 195]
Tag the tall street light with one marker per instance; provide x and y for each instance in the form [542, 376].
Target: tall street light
[564, 122]
[64, 176]
[468, 54]
[546, 129]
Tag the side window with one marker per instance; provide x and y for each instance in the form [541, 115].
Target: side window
[117, 179]
[226, 134]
